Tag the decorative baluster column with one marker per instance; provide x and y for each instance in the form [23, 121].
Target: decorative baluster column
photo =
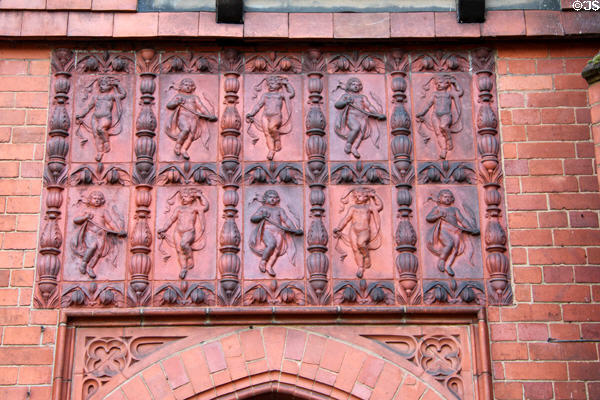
[55, 178]
[490, 173]
[230, 237]
[403, 177]
[317, 262]
[143, 176]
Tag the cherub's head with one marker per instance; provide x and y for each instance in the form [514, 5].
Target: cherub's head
[273, 83]
[105, 84]
[187, 85]
[96, 199]
[445, 197]
[442, 82]
[187, 196]
[354, 85]
[361, 195]
[271, 197]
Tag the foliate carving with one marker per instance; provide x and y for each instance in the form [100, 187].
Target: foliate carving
[440, 61]
[314, 61]
[483, 59]
[360, 174]
[274, 293]
[490, 174]
[355, 62]
[198, 294]
[450, 236]
[106, 357]
[105, 62]
[273, 62]
[189, 118]
[189, 63]
[438, 355]
[271, 237]
[275, 108]
[231, 61]
[85, 175]
[106, 295]
[272, 174]
[356, 117]
[361, 292]
[447, 172]
[397, 61]
[360, 228]
[442, 112]
[201, 174]
[457, 292]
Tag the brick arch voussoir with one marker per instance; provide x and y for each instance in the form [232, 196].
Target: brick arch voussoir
[246, 362]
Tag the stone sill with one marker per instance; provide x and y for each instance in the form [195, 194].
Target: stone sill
[192, 25]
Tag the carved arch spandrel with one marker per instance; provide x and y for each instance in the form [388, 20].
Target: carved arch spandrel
[200, 359]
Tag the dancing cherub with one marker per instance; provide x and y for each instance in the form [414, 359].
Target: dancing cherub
[189, 119]
[188, 235]
[276, 115]
[270, 239]
[108, 111]
[364, 233]
[355, 120]
[446, 118]
[447, 239]
[97, 234]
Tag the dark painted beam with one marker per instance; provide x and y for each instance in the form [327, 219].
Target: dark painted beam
[230, 11]
[468, 11]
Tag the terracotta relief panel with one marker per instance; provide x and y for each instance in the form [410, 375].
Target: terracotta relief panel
[286, 178]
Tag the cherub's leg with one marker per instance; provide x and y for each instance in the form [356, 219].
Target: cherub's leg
[453, 254]
[363, 247]
[448, 243]
[268, 257]
[187, 253]
[183, 135]
[91, 257]
[351, 146]
[97, 133]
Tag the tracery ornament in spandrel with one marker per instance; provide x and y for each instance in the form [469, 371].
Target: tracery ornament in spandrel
[274, 177]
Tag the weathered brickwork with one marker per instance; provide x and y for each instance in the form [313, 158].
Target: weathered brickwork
[28, 336]
[552, 202]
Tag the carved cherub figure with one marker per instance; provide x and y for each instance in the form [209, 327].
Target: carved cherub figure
[189, 119]
[447, 239]
[364, 233]
[446, 118]
[276, 115]
[355, 120]
[270, 239]
[97, 234]
[188, 234]
[108, 112]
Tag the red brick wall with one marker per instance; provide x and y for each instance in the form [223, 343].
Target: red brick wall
[552, 203]
[28, 336]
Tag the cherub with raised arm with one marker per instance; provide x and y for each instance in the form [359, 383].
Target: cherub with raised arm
[188, 234]
[354, 121]
[97, 234]
[108, 112]
[189, 119]
[446, 118]
[270, 238]
[364, 233]
[447, 239]
[274, 121]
